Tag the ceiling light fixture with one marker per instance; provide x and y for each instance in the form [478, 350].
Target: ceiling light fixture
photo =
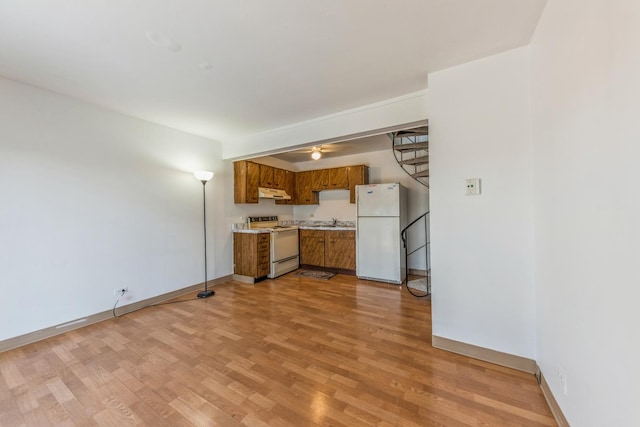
[316, 153]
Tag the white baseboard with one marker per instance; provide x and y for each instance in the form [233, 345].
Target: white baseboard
[499, 358]
[244, 279]
[504, 359]
[553, 404]
[42, 334]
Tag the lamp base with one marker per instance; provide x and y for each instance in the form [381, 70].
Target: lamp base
[205, 294]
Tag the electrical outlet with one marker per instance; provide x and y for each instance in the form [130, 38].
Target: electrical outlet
[472, 187]
[562, 376]
[120, 291]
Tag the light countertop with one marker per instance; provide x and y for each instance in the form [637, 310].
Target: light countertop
[303, 225]
[327, 227]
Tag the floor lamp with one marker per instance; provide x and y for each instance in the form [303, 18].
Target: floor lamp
[204, 177]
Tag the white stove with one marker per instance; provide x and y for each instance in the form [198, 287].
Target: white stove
[268, 223]
[284, 248]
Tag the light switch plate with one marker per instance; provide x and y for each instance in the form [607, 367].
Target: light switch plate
[472, 186]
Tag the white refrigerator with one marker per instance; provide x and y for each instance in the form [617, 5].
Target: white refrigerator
[381, 216]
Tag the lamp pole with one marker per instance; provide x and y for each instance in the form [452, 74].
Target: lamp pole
[204, 177]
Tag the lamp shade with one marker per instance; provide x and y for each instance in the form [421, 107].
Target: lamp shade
[203, 175]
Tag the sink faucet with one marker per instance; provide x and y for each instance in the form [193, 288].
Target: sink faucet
[335, 221]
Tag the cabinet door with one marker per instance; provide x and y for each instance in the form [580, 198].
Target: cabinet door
[266, 176]
[312, 247]
[358, 175]
[289, 185]
[320, 179]
[246, 177]
[305, 195]
[253, 181]
[340, 249]
[244, 254]
[251, 254]
[279, 178]
[339, 178]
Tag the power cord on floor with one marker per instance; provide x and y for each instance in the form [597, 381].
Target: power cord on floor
[122, 292]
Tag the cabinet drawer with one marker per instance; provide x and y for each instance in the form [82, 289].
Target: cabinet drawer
[311, 233]
[341, 234]
[263, 246]
[263, 237]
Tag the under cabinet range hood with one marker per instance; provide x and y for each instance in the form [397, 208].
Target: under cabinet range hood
[272, 193]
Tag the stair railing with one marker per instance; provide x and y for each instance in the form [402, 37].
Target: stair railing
[424, 218]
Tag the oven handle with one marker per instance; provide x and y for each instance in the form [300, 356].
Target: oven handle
[291, 230]
[286, 259]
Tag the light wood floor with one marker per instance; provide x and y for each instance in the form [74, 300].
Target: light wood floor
[284, 352]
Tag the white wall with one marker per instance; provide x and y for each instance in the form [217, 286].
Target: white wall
[586, 145]
[93, 200]
[482, 246]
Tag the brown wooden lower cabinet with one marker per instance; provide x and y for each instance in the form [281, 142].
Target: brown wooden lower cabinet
[328, 248]
[251, 254]
[340, 249]
[312, 247]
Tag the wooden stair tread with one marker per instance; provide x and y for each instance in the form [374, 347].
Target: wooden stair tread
[415, 146]
[422, 160]
[421, 174]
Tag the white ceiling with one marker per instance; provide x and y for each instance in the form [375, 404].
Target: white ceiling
[228, 68]
[344, 148]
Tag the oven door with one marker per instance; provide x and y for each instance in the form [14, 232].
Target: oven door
[284, 252]
[284, 244]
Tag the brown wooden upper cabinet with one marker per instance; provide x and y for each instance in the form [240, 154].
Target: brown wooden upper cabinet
[285, 180]
[320, 179]
[358, 175]
[304, 192]
[266, 176]
[331, 179]
[279, 178]
[246, 179]
[303, 187]
[339, 178]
